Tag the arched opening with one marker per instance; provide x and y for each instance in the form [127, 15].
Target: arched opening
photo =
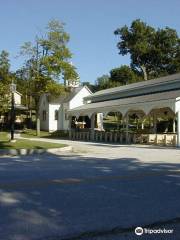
[81, 122]
[113, 121]
[162, 120]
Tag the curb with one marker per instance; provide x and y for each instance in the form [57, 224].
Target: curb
[24, 152]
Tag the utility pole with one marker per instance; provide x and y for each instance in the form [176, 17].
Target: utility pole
[13, 90]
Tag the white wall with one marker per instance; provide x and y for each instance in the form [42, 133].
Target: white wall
[44, 106]
[54, 124]
[65, 121]
[17, 98]
[62, 123]
[78, 99]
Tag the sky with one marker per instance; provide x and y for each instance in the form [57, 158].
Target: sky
[90, 23]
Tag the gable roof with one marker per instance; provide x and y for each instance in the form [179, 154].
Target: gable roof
[114, 105]
[73, 93]
[18, 93]
[69, 96]
[153, 84]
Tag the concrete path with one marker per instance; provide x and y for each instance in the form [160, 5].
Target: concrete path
[143, 152]
[96, 192]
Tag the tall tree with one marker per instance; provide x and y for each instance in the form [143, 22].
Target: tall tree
[4, 67]
[22, 80]
[102, 82]
[152, 52]
[122, 76]
[5, 79]
[166, 51]
[4, 98]
[48, 62]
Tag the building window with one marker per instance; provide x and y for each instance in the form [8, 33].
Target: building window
[56, 115]
[44, 115]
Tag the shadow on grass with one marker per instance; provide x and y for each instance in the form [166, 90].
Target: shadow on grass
[28, 145]
[8, 145]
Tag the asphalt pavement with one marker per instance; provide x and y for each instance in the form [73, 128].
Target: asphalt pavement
[98, 192]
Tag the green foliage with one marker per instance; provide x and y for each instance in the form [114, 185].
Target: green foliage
[166, 52]
[152, 52]
[23, 86]
[30, 133]
[118, 76]
[5, 80]
[50, 55]
[4, 64]
[102, 82]
[122, 75]
[3, 136]
[29, 144]
[48, 61]
[55, 89]
[5, 76]
[4, 97]
[91, 86]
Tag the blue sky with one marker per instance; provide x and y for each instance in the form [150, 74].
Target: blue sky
[90, 23]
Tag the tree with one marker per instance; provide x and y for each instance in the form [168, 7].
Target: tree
[48, 62]
[102, 82]
[118, 76]
[152, 52]
[89, 85]
[5, 80]
[166, 51]
[5, 77]
[122, 76]
[4, 61]
[4, 98]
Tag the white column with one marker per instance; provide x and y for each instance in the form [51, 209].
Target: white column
[178, 128]
[70, 121]
[100, 121]
[137, 123]
[127, 127]
[92, 127]
[174, 124]
[69, 127]
[142, 124]
[154, 123]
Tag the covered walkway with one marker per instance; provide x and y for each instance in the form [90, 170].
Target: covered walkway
[150, 100]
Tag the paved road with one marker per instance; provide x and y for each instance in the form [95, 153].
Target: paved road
[96, 192]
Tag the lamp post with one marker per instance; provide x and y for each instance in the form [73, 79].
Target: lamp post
[13, 90]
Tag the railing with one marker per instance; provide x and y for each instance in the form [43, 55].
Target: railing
[122, 137]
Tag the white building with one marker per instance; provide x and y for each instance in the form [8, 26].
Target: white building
[150, 100]
[53, 111]
[17, 98]
[19, 109]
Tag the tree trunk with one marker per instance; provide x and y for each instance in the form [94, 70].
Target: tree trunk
[144, 72]
[37, 101]
[37, 123]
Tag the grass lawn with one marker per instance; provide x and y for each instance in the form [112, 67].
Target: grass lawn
[25, 144]
[30, 133]
[3, 136]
